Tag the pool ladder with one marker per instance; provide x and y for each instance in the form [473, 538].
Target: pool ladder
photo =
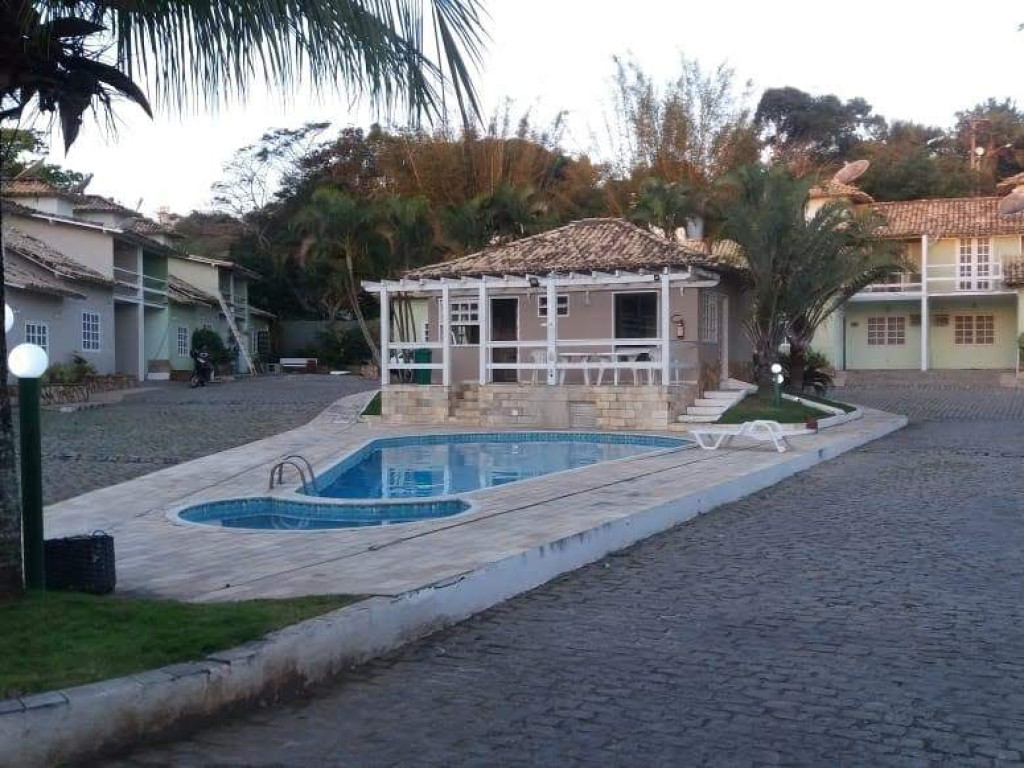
[301, 464]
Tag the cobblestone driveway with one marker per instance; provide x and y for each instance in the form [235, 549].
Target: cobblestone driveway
[867, 612]
[170, 423]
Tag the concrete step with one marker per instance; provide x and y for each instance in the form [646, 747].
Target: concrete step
[690, 419]
[731, 396]
[713, 402]
[704, 410]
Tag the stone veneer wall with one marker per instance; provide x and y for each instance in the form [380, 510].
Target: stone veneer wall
[538, 406]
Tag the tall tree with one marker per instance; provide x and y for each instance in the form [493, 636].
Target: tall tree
[66, 57]
[800, 268]
[668, 206]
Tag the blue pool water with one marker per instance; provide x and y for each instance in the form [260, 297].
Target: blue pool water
[399, 479]
[270, 514]
[425, 466]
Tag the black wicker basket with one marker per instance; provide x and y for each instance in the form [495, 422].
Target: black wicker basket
[81, 563]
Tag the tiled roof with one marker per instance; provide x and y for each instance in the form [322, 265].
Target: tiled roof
[30, 187]
[581, 246]
[1007, 185]
[99, 203]
[50, 259]
[143, 226]
[728, 251]
[953, 217]
[181, 292]
[832, 189]
[23, 274]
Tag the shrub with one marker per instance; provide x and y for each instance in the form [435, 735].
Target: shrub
[214, 344]
[75, 372]
[340, 347]
[817, 370]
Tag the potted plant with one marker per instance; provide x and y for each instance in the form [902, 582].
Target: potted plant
[811, 422]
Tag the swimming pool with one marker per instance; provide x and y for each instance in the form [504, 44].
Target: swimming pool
[426, 466]
[395, 480]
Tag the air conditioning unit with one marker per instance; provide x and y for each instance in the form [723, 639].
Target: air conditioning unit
[915, 321]
[940, 321]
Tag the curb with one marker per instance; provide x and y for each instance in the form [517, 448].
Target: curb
[100, 718]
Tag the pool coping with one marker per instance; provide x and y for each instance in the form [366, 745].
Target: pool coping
[83, 722]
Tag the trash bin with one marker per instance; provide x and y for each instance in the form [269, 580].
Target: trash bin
[420, 375]
[81, 563]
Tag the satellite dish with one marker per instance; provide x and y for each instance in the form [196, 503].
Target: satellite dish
[1012, 203]
[851, 171]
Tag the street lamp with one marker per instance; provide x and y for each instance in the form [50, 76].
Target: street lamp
[777, 380]
[28, 362]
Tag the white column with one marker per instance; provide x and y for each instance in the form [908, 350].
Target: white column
[385, 337]
[484, 315]
[552, 336]
[446, 335]
[666, 330]
[724, 322]
[924, 302]
[141, 309]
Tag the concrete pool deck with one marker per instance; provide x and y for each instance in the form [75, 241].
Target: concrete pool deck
[597, 508]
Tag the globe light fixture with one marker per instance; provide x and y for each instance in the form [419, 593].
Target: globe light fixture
[29, 362]
[776, 368]
[8, 318]
[784, 348]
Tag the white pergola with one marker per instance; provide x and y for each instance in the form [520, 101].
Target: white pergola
[487, 285]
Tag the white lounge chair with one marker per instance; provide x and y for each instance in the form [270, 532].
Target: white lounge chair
[714, 437]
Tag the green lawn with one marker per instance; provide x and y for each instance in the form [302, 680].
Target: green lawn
[754, 407]
[58, 639]
[373, 407]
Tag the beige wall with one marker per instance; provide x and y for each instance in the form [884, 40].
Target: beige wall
[1001, 354]
[91, 247]
[202, 276]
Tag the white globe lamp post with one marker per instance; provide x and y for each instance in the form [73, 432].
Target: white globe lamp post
[28, 362]
[777, 380]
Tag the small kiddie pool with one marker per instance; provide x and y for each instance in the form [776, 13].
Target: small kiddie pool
[411, 478]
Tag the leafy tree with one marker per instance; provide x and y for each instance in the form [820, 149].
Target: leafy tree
[69, 57]
[22, 149]
[668, 206]
[824, 129]
[998, 128]
[800, 268]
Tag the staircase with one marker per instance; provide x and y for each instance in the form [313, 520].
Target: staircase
[229, 315]
[466, 407]
[714, 402]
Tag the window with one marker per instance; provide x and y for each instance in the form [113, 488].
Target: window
[636, 315]
[887, 331]
[90, 332]
[974, 329]
[183, 341]
[562, 301]
[709, 317]
[261, 343]
[464, 322]
[974, 264]
[38, 334]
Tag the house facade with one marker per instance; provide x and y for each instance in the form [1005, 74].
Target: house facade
[958, 304]
[118, 266]
[596, 323]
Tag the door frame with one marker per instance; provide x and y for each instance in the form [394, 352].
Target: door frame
[489, 351]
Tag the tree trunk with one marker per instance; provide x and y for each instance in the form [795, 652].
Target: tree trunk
[11, 570]
[353, 289]
[797, 361]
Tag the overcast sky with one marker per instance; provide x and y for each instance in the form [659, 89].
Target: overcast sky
[910, 59]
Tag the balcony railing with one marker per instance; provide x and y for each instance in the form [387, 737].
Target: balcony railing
[943, 279]
[128, 284]
[898, 282]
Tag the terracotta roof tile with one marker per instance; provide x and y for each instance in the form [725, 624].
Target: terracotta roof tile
[581, 246]
[23, 274]
[1007, 185]
[953, 217]
[50, 259]
[182, 292]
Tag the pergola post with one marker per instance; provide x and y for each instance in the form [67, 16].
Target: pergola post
[484, 315]
[446, 335]
[385, 336]
[552, 327]
[666, 332]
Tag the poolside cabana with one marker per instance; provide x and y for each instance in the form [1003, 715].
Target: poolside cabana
[634, 315]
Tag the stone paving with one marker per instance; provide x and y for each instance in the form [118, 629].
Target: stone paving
[168, 423]
[865, 612]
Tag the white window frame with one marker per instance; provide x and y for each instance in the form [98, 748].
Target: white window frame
[463, 313]
[34, 336]
[187, 339]
[561, 301]
[974, 264]
[974, 330]
[887, 331]
[708, 321]
[92, 338]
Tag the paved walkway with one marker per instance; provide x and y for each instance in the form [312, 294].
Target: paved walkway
[866, 612]
[168, 423]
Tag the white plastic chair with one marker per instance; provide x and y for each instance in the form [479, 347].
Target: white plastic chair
[762, 430]
[537, 356]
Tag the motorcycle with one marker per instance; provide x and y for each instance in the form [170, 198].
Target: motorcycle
[202, 372]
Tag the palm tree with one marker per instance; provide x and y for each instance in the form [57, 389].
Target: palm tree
[667, 206]
[800, 268]
[347, 236]
[64, 57]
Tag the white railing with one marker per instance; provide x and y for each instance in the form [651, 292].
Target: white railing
[965, 278]
[898, 282]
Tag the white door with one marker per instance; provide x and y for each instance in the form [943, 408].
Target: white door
[974, 265]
